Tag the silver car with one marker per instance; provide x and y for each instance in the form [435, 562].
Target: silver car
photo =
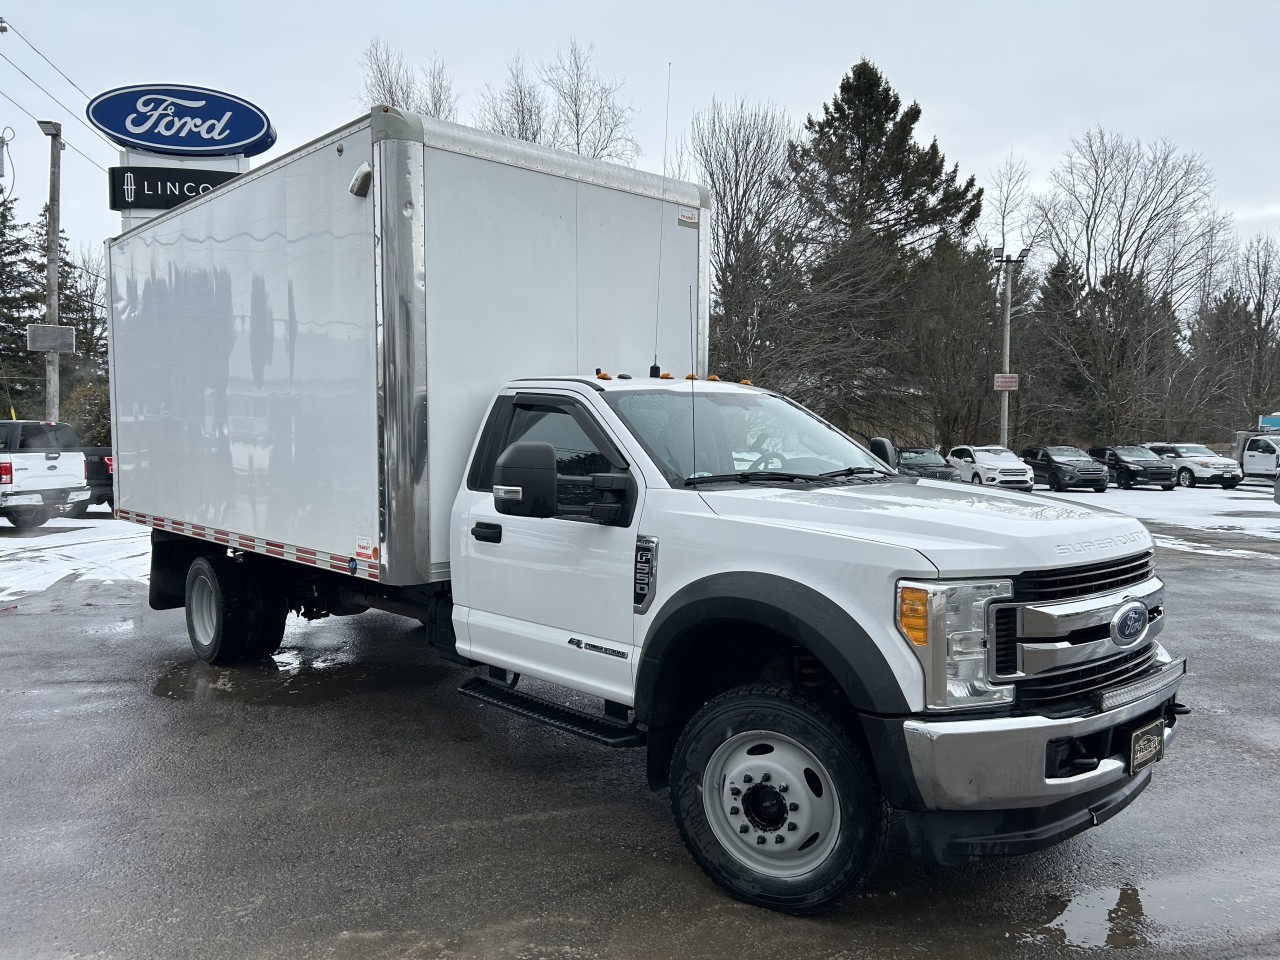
[1194, 463]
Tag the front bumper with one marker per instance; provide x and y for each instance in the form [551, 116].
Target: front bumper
[1217, 476]
[44, 498]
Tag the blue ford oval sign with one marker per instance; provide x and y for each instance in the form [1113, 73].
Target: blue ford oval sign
[182, 121]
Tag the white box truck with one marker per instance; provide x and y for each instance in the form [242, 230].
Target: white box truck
[411, 366]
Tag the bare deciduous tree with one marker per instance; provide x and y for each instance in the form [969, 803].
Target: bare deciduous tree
[1119, 207]
[1008, 211]
[586, 115]
[517, 109]
[390, 78]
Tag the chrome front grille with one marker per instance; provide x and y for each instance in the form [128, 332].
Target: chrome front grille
[1067, 583]
[1076, 682]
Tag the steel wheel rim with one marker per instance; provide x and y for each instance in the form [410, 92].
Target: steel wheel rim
[204, 615]
[764, 767]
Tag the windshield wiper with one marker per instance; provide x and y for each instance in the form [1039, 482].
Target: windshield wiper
[855, 472]
[750, 476]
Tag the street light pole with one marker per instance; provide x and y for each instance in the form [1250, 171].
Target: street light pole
[1007, 263]
[52, 387]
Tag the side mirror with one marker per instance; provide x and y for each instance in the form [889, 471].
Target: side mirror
[968, 459]
[524, 480]
[1170, 456]
[885, 450]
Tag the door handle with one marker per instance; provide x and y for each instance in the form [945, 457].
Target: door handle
[487, 532]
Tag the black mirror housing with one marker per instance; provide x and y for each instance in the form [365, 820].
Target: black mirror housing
[882, 448]
[524, 480]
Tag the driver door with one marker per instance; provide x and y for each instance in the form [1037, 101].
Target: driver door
[551, 597]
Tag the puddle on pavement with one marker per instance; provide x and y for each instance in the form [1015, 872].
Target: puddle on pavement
[292, 677]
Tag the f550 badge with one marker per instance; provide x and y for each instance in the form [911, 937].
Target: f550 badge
[182, 121]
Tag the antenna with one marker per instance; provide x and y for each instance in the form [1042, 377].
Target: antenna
[662, 222]
[693, 382]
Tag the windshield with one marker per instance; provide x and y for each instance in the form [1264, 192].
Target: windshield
[921, 458]
[736, 432]
[996, 453]
[1137, 453]
[1074, 453]
[1193, 450]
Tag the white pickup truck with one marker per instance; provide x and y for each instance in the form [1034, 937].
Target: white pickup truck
[801, 639]
[38, 477]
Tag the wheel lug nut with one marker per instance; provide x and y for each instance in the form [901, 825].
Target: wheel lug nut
[733, 811]
[760, 840]
[778, 838]
[766, 777]
[783, 788]
[792, 826]
[793, 805]
[746, 778]
[743, 829]
[734, 792]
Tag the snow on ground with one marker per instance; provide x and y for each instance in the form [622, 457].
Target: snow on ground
[93, 548]
[1205, 520]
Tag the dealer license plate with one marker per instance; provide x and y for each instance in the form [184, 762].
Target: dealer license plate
[1146, 745]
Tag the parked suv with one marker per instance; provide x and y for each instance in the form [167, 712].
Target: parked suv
[1195, 463]
[38, 476]
[925, 462]
[1063, 467]
[991, 466]
[1130, 466]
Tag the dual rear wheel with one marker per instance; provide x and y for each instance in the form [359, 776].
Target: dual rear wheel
[235, 610]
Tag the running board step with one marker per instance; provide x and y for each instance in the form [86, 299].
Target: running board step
[611, 733]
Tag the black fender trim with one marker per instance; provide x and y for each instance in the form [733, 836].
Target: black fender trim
[792, 610]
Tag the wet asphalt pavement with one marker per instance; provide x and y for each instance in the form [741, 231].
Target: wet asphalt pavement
[344, 801]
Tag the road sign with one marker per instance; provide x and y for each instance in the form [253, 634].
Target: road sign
[1006, 381]
[51, 338]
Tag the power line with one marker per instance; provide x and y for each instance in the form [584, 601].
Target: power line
[56, 100]
[9, 24]
[64, 139]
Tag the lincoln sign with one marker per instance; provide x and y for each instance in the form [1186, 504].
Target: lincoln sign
[182, 121]
[160, 188]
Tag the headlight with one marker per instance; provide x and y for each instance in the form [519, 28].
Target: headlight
[946, 625]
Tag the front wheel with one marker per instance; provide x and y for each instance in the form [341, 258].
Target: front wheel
[1055, 483]
[1166, 486]
[975, 478]
[1231, 486]
[1186, 478]
[773, 800]
[1124, 481]
[1100, 489]
[28, 518]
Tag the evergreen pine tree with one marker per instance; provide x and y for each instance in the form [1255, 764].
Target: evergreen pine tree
[21, 303]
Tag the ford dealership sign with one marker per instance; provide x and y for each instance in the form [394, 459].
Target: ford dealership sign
[181, 121]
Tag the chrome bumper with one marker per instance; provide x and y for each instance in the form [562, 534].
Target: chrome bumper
[44, 498]
[999, 764]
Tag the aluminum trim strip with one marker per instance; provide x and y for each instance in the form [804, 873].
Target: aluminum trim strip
[365, 569]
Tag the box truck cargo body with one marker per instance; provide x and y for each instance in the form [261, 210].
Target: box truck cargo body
[411, 366]
[302, 357]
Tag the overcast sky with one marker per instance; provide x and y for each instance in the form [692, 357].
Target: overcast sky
[990, 77]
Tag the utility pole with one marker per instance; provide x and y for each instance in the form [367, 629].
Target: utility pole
[1007, 263]
[54, 132]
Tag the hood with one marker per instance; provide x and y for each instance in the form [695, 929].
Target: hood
[962, 530]
[1001, 464]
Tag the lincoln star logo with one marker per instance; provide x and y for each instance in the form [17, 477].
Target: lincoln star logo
[1129, 623]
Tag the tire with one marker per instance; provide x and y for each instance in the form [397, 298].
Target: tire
[268, 610]
[28, 518]
[1186, 478]
[1166, 486]
[77, 509]
[1230, 486]
[1123, 480]
[976, 478]
[1101, 489]
[807, 773]
[1055, 482]
[217, 610]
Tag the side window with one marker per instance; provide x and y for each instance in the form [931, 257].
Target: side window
[1267, 447]
[576, 454]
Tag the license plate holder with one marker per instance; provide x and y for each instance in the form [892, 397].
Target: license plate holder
[1146, 745]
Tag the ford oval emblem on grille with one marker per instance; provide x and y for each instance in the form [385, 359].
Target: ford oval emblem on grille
[1129, 625]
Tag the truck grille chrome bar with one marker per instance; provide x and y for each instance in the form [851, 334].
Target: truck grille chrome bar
[1081, 581]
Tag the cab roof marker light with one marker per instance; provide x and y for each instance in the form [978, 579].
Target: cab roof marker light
[666, 376]
[746, 383]
[691, 376]
[713, 377]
